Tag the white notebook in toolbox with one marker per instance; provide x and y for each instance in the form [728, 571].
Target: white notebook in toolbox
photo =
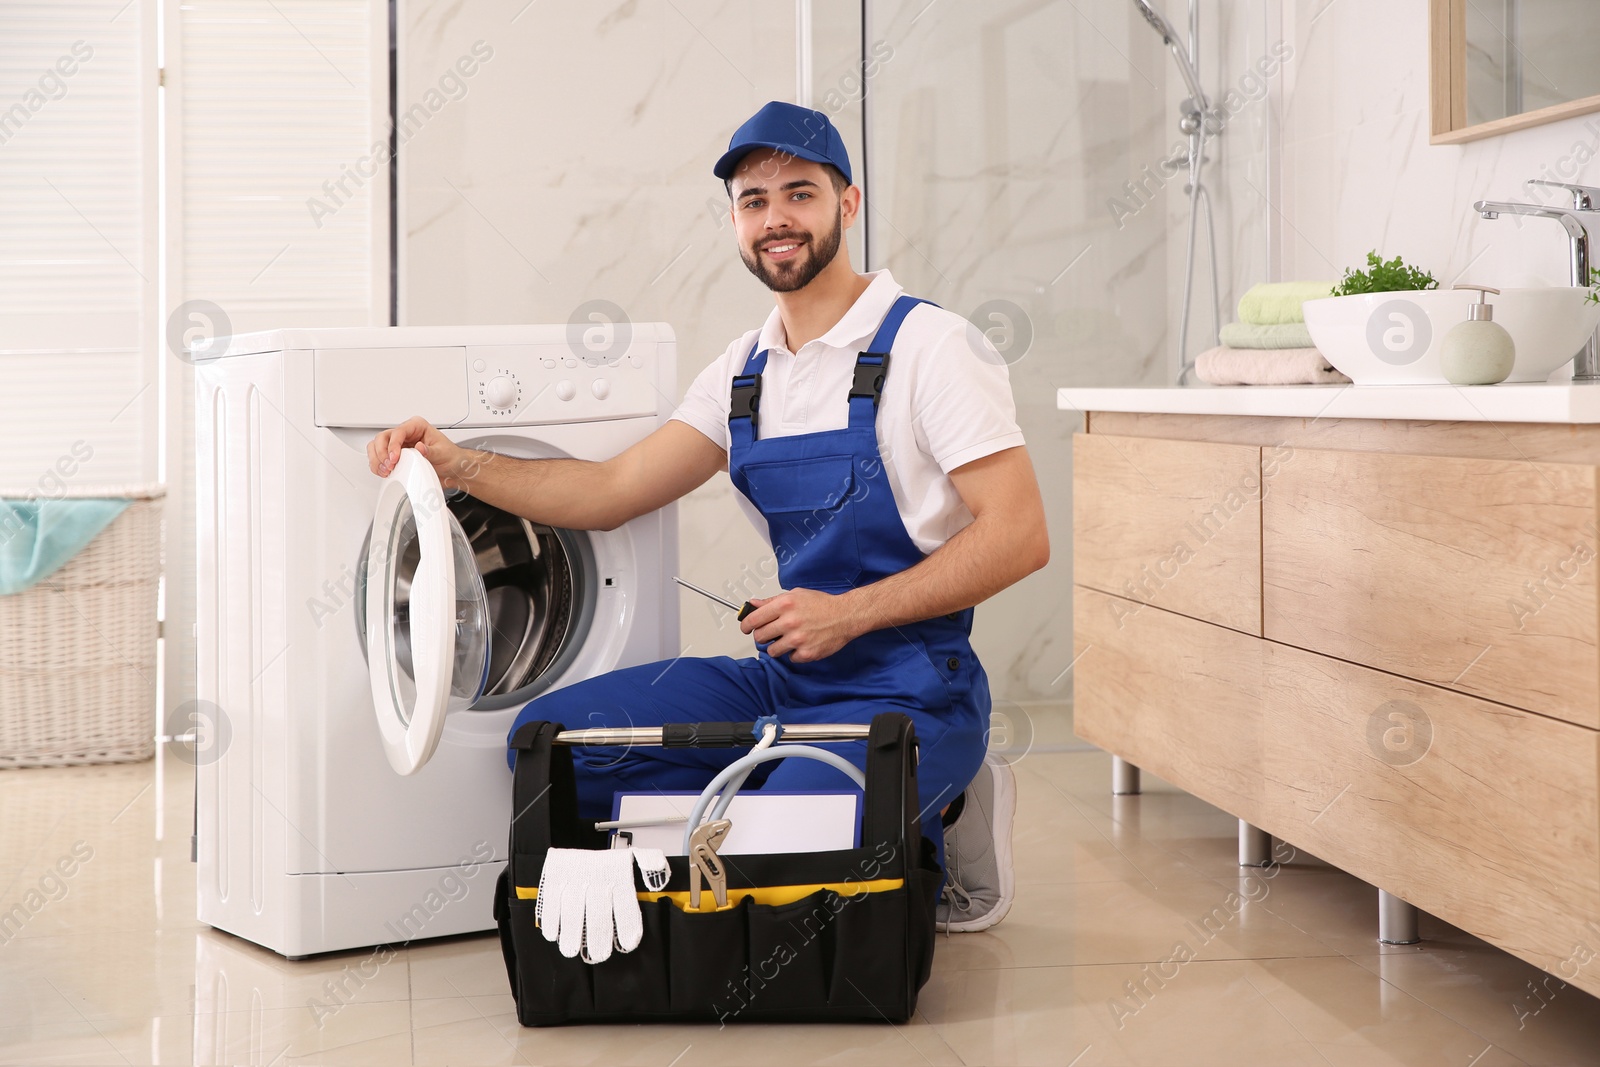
[762, 822]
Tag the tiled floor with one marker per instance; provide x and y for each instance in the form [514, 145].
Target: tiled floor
[111, 968]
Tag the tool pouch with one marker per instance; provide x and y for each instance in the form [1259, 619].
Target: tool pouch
[818, 936]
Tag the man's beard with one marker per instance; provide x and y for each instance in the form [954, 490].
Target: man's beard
[789, 275]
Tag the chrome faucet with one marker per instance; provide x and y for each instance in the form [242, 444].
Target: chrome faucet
[1584, 197]
[1586, 364]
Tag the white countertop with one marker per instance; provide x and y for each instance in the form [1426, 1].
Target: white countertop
[1522, 402]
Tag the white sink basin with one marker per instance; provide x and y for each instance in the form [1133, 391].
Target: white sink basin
[1395, 338]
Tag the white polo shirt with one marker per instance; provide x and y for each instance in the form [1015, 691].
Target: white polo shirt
[946, 401]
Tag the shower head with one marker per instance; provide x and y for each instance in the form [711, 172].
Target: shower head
[1180, 55]
[1156, 20]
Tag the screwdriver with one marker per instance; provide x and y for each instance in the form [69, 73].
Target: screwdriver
[730, 605]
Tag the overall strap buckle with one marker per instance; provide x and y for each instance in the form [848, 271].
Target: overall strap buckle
[745, 397]
[871, 369]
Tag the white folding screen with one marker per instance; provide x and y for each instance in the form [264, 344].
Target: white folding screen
[284, 214]
[278, 207]
[78, 264]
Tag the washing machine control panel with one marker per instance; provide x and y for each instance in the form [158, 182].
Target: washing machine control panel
[492, 376]
[534, 383]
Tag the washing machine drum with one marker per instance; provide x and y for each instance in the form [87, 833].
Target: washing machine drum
[530, 583]
[465, 606]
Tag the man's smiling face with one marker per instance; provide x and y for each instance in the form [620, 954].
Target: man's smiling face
[788, 216]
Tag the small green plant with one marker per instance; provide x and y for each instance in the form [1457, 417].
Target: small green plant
[1380, 277]
[1594, 286]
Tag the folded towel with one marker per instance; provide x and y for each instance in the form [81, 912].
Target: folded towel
[1265, 366]
[38, 536]
[1281, 335]
[1275, 302]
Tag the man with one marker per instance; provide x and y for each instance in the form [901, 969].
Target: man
[874, 437]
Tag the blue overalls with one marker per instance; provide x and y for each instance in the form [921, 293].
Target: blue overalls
[834, 526]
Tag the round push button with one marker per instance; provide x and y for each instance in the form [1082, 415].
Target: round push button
[565, 390]
[601, 388]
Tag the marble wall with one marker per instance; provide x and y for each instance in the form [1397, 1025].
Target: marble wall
[1359, 173]
[999, 132]
[1005, 137]
[575, 166]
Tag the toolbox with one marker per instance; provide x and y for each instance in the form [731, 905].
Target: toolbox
[835, 936]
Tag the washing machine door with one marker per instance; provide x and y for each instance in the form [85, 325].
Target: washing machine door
[427, 624]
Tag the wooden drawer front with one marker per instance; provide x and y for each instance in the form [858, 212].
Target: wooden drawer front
[1176, 524]
[1475, 574]
[1484, 815]
[1179, 697]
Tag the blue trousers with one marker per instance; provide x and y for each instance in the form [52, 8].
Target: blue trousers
[951, 738]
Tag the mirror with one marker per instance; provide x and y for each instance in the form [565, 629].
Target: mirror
[1500, 65]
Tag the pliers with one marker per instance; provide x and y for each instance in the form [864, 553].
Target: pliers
[703, 860]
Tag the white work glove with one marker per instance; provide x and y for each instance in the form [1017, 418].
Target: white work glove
[552, 881]
[629, 919]
[576, 904]
[587, 902]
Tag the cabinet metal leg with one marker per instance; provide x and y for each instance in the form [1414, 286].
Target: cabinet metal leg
[1255, 846]
[1397, 921]
[1124, 778]
[1126, 821]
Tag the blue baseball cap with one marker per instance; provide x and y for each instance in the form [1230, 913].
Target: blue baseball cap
[789, 128]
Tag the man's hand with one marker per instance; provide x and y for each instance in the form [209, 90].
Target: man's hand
[450, 461]
[810, 625]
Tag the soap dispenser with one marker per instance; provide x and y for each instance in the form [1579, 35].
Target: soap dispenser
[1478, 351]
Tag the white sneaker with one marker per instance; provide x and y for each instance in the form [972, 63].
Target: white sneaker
[979, 881]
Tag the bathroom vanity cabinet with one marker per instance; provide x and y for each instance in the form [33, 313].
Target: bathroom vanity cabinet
[1367, 622]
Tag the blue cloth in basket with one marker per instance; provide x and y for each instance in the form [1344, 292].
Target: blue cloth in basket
[38, 536]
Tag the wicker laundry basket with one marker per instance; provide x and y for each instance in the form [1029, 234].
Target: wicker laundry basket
[78, 649]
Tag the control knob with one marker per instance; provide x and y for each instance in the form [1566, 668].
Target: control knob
[501, 392]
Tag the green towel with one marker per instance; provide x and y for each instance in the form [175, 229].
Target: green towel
[1283, 335]
[1278, 302]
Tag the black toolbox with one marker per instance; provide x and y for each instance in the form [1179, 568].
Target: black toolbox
[821, 936]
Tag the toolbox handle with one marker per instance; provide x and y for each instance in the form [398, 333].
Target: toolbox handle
[709, 734]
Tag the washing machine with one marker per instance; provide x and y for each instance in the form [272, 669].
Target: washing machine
[364, 643]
